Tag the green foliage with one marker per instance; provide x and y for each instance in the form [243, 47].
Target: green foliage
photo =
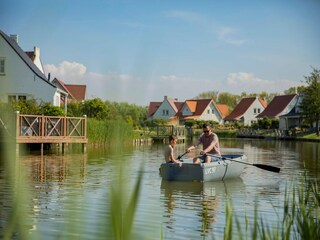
[207, 95]
[230, 99]
[49, 110]
[32, 107]
[29, 106]
[94, 108]
[266, 123]
[310, 104]
[108, 131]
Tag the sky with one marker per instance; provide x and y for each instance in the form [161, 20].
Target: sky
[138, 51]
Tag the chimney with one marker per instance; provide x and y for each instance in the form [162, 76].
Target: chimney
[14, 37]
[36, 51]
[165, 97]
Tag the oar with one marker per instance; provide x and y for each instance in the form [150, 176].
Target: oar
[180, 156]
[262, 166]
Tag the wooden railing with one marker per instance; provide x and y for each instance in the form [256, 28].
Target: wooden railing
[50, 129]
[164, 131]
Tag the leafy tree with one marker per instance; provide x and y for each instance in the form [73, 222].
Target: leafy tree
[310, 103]
[209, 94]
[230, 99]
[95, 108]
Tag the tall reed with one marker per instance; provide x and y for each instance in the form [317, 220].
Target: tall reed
[108, 131]
[300, 218]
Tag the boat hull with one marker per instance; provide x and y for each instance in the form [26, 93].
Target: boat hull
[219, 170]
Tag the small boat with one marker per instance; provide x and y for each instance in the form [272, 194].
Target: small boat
[224, 167]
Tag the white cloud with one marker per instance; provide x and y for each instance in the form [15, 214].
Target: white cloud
[68, 72]
[226, 34]
[249, 83]
[169, 78]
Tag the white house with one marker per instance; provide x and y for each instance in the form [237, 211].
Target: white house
[163, 110]
[20, 78]
[202, 109]
[247, 110]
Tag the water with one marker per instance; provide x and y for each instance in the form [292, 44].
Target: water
[70, 194]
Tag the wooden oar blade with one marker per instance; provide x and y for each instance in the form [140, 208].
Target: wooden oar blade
[267, 167]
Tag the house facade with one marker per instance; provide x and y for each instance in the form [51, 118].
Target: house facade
[293, 118]
[280, 105]
[20, 78]
[164, 110]
[247, 110]
[202, 109]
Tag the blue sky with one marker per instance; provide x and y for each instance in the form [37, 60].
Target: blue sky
[140, 51]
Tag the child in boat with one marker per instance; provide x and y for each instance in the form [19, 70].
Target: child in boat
[168, 151]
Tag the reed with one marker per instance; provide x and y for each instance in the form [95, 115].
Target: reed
[107, 131]
[300, 218]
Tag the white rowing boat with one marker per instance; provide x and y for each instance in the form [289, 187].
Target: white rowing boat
[225, 167]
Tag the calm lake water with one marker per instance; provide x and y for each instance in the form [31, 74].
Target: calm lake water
[70, 194]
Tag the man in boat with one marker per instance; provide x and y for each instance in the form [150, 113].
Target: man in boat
[168, 150]
[210, 143]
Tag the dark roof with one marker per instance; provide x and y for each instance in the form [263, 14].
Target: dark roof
[276, 106]
[197, 107]
[77, 91]
[242, 107]
[153, 106]
[25, 58]
[62, 85]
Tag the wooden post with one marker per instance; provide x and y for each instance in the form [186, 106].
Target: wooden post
[18, 129]
[84, 146]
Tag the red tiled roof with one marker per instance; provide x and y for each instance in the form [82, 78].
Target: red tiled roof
[174, 104]
[153, 106]
[78, 91]
[276, 106]
[61, 83]
[241, 108]
[196, 106]
[223, 108]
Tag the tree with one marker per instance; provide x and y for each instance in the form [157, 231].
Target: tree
[310, 103]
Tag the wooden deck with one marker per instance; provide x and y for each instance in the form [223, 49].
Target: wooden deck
[50, 129]
[162, 132]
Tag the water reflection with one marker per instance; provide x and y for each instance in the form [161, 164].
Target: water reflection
[206, 198]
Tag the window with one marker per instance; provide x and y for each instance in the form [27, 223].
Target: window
[258, 110]
[212, 111]
[11, 98]
[22, 98]
[2, 66]
[208, 111]
[255, 111]
[165, 112]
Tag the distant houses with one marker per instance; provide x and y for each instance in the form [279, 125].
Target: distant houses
[247, 110]
[193, 109]
[22, 76]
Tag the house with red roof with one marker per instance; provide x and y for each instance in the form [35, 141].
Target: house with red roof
[246, 111]
[21, 78]
[280, 105]
[293, 118]
[74, 92]
[202, 109]
[165, 110]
